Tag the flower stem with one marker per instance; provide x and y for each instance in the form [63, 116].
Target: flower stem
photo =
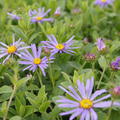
[110, 110]
[39, 77]
[93, 66]
[82, 66]
[9, 103]
[101, 79]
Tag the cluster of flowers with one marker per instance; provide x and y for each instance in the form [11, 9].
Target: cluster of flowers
[33, 60]
[83, 105]
[39, 16]
[83, 102]
[115, 65]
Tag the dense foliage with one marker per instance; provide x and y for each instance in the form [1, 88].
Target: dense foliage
[28, 95]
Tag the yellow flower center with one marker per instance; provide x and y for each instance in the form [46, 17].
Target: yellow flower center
[103, 0]
[11, 49]
[37, 61]
[86, 103]
[39, 18]
[60, 46]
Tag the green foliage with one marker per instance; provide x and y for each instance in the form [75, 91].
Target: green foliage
[102, 62]
[5, 89]
[29, 99]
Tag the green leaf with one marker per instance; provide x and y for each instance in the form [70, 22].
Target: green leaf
[69, 4]
[115, 46]
[4, 107]
[42, 95]
[35, 35]
[29, 110]
[19, 107]
[5, 97]
[22, 81]
[102, 62]
[31, 97]
[74, 65]
[5, 89]
[32, 87]
[44, 106]
[87, 74]
[115, 115]
[19, 32]
[16, 118]
[22, 110]
[17, 104]
[76, 77]
[52, 4]
[101, 115]
[66, 76]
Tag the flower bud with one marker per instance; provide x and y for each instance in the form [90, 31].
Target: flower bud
[100, 45]
[115, 65]
[57, 12]
[116, 91]
[90, 56]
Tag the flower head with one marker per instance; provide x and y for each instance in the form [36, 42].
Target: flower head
[13, 16]
[39, 16]
[116, 91]
[84, 102]
[59, 47]
[57, 12]
[33, 61]
[14, 48]
[103, 3]
[100, 44]
[90, 56]
[115, 65]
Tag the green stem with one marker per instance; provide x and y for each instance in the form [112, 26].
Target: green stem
[93, 66]
[39, 77]
[110, 110]
[9, 103]
[101, 79]
[112, 76]
[84, 64]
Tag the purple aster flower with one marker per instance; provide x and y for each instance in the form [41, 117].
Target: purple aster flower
[103, 3]
[13, 16]
[33, 61]
[57, 12]
[59, 47]
[39, 16]
[84, 102]
[100, 44]
[115, 65]
[12, 49]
